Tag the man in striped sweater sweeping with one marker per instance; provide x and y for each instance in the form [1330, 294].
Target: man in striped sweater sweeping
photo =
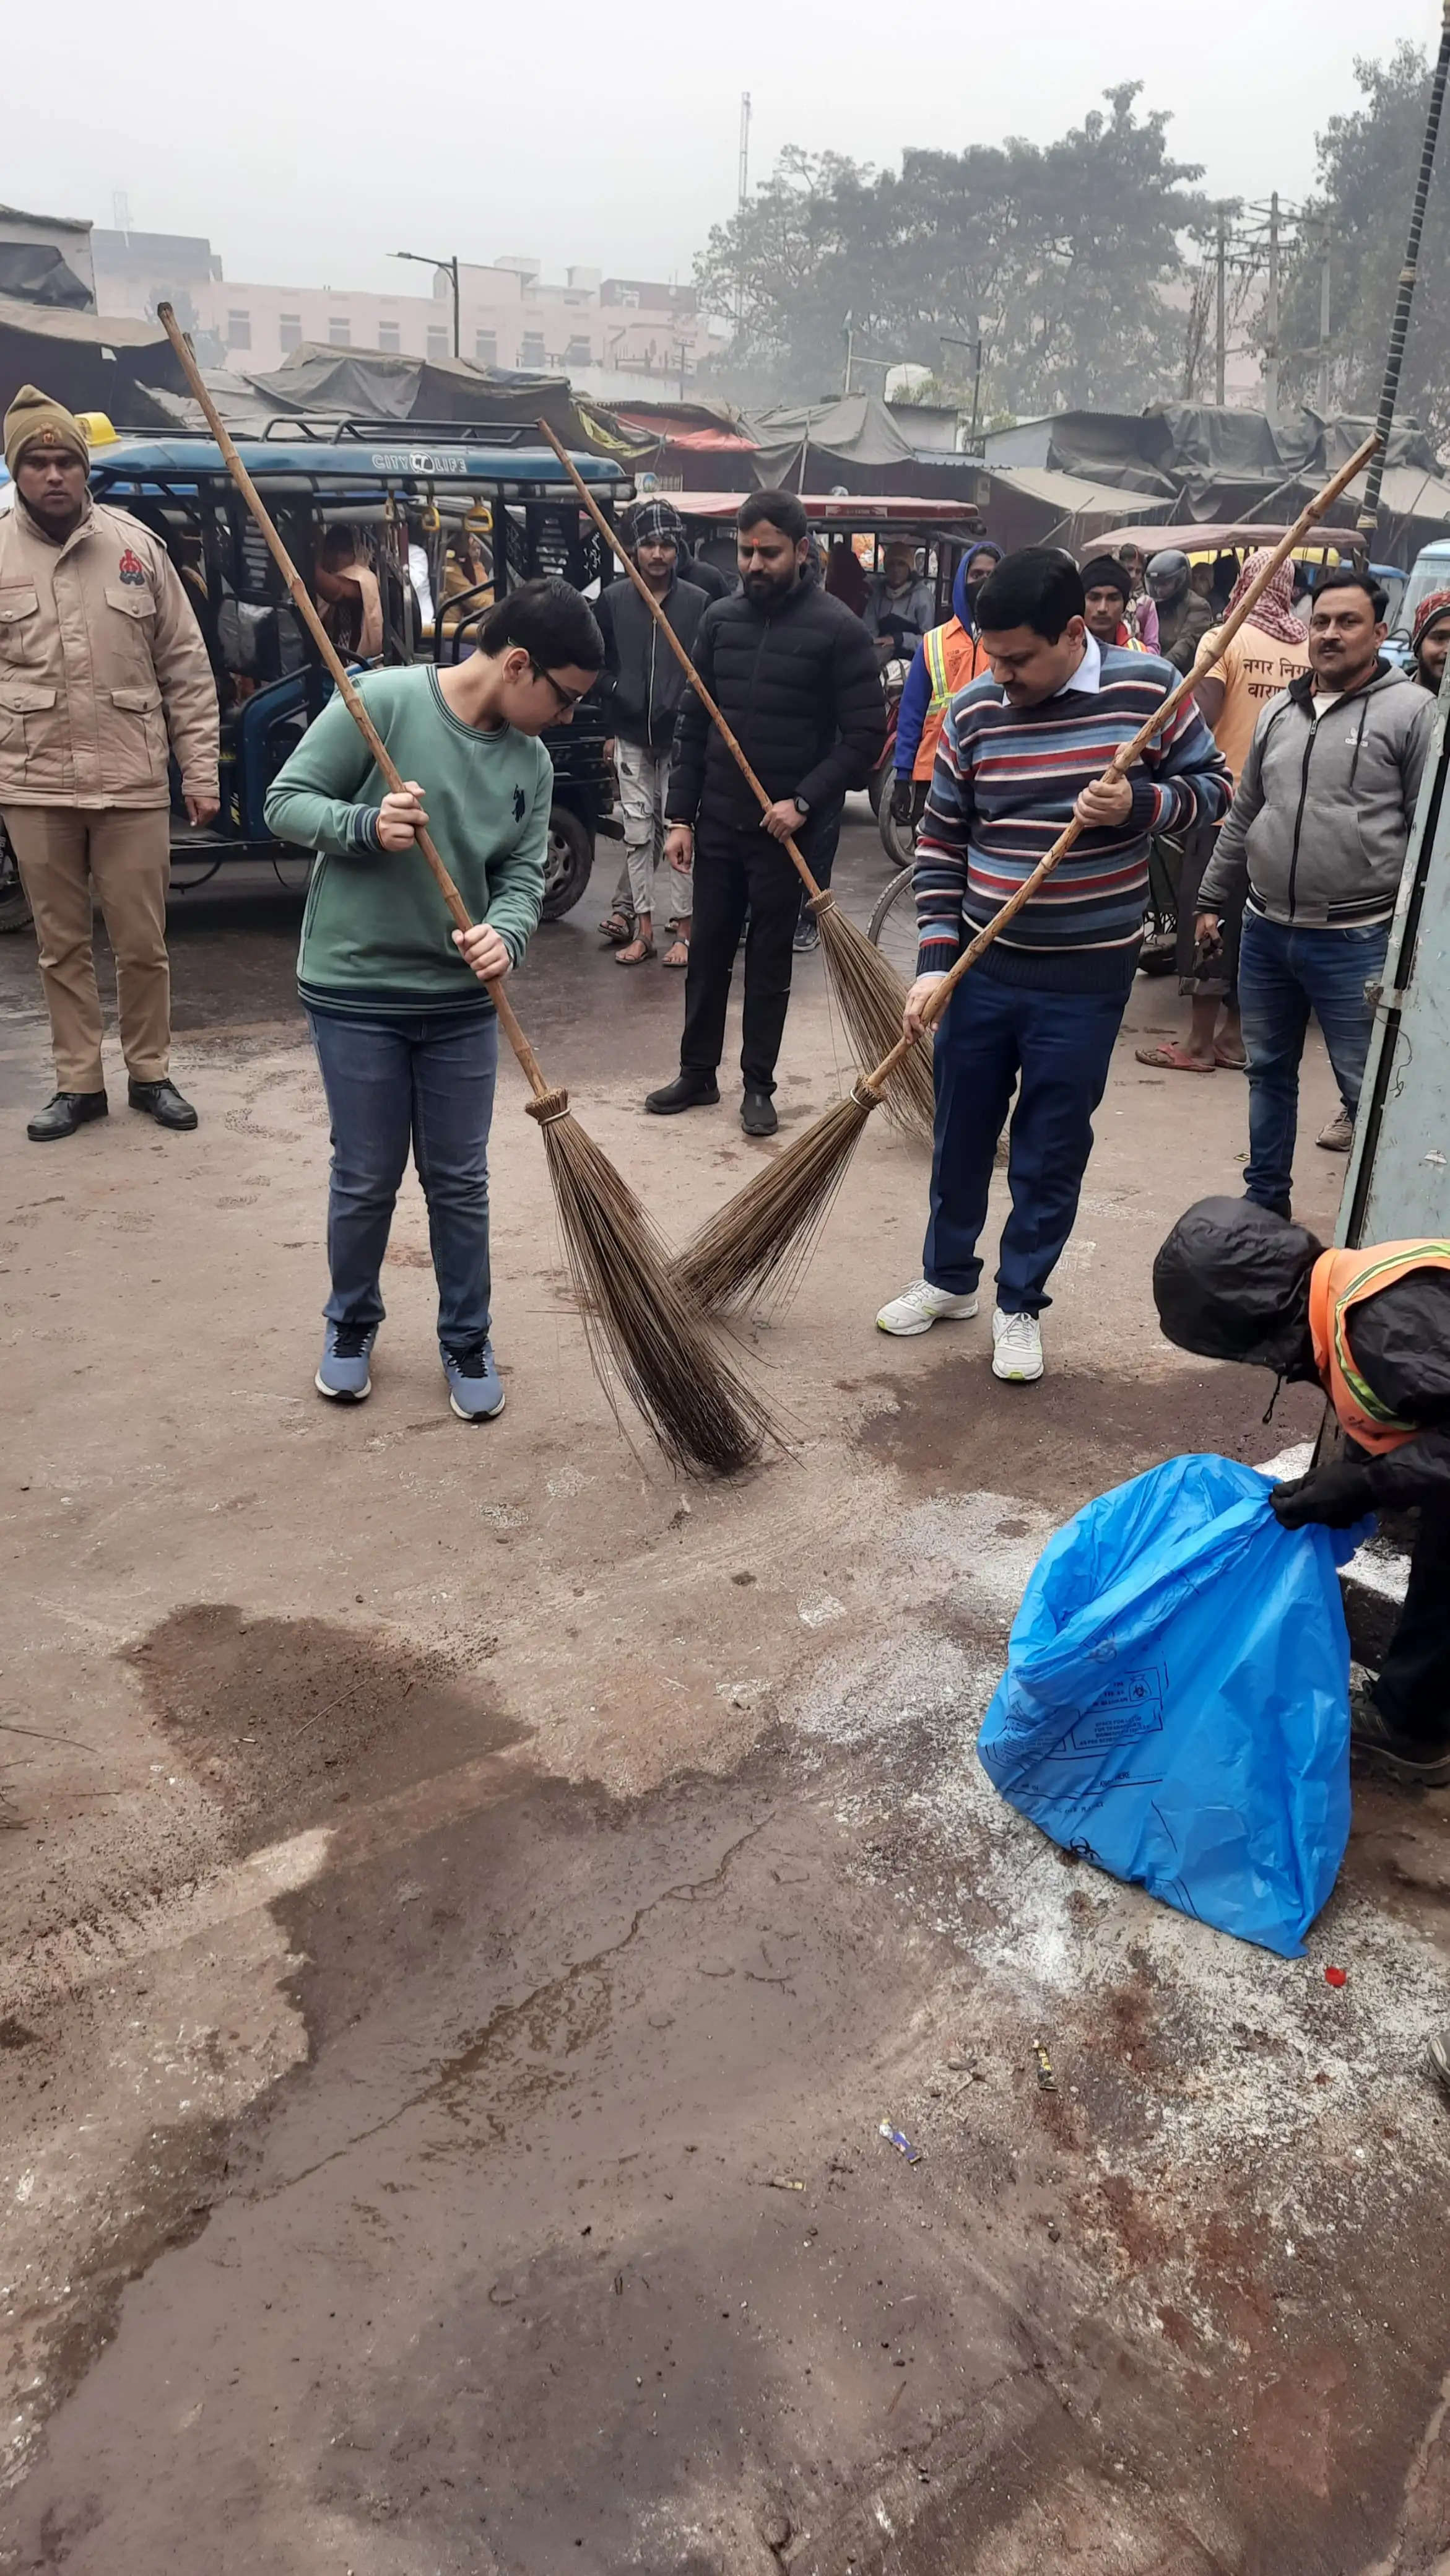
[1023, 749]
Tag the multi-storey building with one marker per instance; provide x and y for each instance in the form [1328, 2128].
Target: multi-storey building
[600, 331]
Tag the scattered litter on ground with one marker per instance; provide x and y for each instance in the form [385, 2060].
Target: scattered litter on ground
[902, 2145]
[1336, 1976]
[1045, 2076]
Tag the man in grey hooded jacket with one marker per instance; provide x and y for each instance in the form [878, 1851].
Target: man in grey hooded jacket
[1316, 835]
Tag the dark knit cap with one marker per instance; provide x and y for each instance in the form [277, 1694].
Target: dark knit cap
[1104, 572]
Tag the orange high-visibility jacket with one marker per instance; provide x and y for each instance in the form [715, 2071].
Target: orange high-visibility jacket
[953, 660]
[1338, 1283]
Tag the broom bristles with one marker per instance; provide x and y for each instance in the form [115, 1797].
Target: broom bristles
[641, 1331]
[872, 996]
[762, 1239]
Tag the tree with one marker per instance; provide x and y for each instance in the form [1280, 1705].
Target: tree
[1055, 255]
[1367, 166]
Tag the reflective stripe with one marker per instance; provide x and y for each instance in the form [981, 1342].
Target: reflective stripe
[934, 647]
[1339, 1281]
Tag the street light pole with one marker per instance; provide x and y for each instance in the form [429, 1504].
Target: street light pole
[449, 268]
[950, 340]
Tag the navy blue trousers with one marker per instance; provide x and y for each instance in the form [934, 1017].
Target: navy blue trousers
[1055, 1049]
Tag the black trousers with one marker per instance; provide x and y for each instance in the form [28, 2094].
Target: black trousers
[1413, 1690]
[739, 868]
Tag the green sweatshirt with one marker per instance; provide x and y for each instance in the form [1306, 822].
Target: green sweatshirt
[377, 935]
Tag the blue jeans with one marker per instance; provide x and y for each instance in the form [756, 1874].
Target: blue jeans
[1283, 975]
[1061, 1045]
[426, 1081]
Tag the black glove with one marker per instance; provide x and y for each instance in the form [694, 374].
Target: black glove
[1338, 1495]
[901, 801]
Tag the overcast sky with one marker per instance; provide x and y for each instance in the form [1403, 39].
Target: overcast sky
[308, 142]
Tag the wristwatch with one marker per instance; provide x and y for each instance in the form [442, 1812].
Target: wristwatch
[801, 806]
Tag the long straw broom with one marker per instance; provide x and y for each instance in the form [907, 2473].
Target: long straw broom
[763, 1237]
[643, 1334]
[866, 984]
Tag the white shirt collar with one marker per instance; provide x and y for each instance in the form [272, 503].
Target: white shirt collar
[1089, 673]
[1088, 676]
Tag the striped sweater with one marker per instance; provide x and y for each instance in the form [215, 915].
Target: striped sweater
[1004, 786]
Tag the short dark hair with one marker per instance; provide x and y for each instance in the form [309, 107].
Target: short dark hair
[1344, 577]
[782, 509]
[550, 621]
[1039, 587]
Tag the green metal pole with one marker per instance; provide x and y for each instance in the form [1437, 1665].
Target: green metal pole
[1399, 327]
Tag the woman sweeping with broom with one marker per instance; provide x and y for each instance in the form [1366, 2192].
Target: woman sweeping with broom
[401, 1010]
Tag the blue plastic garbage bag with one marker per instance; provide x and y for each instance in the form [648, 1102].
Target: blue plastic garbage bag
[1176, 1699]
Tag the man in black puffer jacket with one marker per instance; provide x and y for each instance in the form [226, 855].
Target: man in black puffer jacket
[796, 676]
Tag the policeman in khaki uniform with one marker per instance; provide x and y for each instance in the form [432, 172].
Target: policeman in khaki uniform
[103, 672]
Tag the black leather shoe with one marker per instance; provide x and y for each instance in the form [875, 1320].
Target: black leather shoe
[64, 1114]
[757, 1114]
[687, 1091]
[163, 1102]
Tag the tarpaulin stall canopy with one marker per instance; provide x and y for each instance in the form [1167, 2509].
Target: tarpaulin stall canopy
[1029, 505]
[853, 441]
[40, 275]
[372, 384]
[1216, 464]
[687, 445]
[88, 361]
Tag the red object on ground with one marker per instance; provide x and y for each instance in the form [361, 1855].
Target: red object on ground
[1336, 1976]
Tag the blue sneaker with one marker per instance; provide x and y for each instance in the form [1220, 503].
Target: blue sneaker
[475, 1389]
[342, 1371]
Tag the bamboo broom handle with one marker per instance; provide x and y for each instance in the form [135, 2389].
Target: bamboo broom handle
[1208, 653]
[612, 538]
[302, 602]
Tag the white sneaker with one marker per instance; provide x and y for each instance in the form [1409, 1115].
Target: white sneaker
[920, 1306]
[1016, 1347]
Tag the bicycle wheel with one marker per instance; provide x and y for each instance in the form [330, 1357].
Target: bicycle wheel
[893, 926]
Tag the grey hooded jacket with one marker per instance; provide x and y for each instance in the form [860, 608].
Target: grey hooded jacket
[1319, 824]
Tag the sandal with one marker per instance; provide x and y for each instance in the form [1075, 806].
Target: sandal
[1230, 1063]
[634, 953]
[617, 928]
[677, 954]
[1170, 1059]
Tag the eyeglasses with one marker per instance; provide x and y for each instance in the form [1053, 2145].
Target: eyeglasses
[568, 699]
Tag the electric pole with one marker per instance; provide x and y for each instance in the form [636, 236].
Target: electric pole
[1324, 284]
[1221, 322]
[742, 191]
[1271, 315]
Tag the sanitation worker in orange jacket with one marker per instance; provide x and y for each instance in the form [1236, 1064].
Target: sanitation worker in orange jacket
[948, 659]
[1372, 1327]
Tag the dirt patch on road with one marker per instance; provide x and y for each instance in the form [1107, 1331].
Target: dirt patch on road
[289, 1721]
[1077, 1433]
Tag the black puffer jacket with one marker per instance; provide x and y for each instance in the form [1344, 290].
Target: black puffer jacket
[1232, 1283]
[642, 682]
[801, 687]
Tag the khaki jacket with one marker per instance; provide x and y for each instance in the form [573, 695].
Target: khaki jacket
[101, 661]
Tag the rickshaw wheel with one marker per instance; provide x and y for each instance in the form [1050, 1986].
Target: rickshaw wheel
[893, 926]
[568, 859]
